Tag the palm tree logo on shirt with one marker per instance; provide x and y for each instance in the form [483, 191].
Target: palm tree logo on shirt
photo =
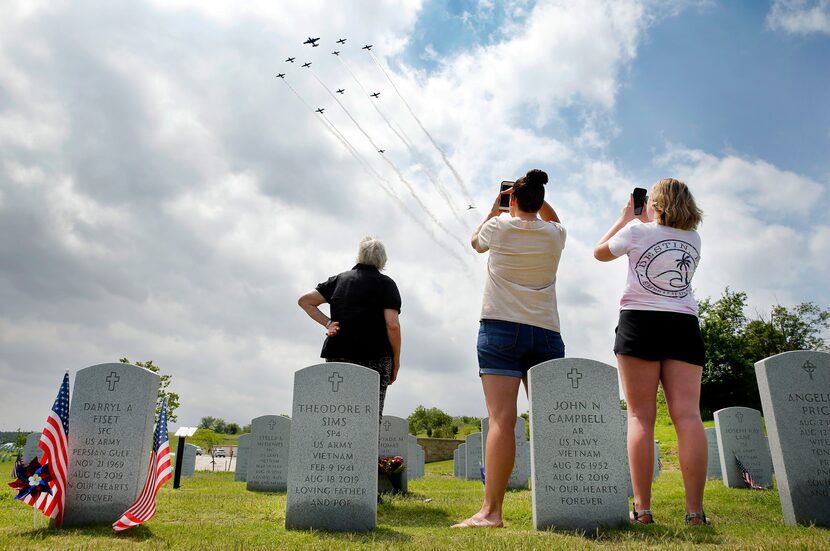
[666, 268]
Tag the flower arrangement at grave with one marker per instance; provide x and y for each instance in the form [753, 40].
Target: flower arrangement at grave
[32, 479]
[390, 473]
[391, 465]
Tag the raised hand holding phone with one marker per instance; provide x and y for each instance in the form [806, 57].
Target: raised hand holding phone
[504, 198]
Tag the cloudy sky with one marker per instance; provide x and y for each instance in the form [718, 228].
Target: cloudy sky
[163, 196]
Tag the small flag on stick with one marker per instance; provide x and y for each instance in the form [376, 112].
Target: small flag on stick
[747, 478]
[160, 472]
[45, 480]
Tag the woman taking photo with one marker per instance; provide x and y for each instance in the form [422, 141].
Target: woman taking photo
[519, 321]
[658, 337]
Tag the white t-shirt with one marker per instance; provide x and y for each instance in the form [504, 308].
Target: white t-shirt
[521, 270]
[661, 263]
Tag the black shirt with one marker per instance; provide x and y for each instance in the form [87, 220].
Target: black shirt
[358, 298]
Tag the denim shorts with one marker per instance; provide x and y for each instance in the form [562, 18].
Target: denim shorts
[510, 349]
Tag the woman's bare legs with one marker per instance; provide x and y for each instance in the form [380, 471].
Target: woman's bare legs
[500, 392]
[640, 378]
[681, 384]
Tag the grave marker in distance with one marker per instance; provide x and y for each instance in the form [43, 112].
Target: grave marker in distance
[713, 469]
[31, 449]
[333, 468]
[795, 396]
[394, 441]
[268, 460]
[243, 450]
[472, 460]
[740, 434]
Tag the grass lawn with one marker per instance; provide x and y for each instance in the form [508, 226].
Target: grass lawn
[211, 511]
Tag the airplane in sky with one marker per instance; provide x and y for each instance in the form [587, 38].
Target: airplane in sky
[321, 109]
[470, 207]
[312, 41]
[375, 95]
[340, 91]
[281, 75]
[341, 41]
[307, 64]
[381, 151]
[367, 47]
[290, 60]
[335, 53]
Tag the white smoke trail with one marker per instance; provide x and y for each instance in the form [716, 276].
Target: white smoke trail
[382, 182]
[407, 142]
[428, 135]
[392, 166]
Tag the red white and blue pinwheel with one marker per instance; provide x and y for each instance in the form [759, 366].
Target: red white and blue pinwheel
[32, 480]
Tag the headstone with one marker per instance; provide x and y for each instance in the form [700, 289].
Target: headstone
[31, 449]
[455, 462]
[243, 451]
[520, 475]
[713, 469]
[415, 463]
[188, 460]
[740, 434]
[111, 418]
[658, 464]
[473, 456]
[394, 442]
[333, 470]
[462, 461]
[577, 456]
[268, 461]
[795, 396]
[519, 432]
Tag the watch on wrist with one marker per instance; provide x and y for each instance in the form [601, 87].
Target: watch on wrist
[328, 323]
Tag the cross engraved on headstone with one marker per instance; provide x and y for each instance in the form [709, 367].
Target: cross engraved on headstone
[809, 367]
[386, 425]
[574, 375]
[113, 378]
[271, 424]
[740, 417]
[335, 381]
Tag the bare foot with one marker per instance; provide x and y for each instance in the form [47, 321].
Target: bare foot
[474, 522]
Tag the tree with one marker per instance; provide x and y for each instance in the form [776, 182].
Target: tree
[232, 428]
[163, 394]
[207, 422]
[432, 421]
[786, 329]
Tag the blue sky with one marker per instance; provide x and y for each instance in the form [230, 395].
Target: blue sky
[164, 197]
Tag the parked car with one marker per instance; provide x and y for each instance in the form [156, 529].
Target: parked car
[220, 452]
[198, 450]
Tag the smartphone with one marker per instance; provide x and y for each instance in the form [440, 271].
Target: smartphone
[504, 200]
[639, 200]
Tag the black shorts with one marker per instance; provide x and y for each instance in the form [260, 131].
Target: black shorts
[654, 336]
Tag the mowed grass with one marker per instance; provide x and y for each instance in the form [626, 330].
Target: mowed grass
[211, 511]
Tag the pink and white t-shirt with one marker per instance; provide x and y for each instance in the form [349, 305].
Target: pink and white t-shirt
[661, 263]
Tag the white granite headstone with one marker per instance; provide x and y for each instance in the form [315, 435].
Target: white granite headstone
[394, 442]
[740, 434]
[713, 469]
[462, 461]
[189, 460]
[112, 415]
[473, 456]
[268, 461]
[31, 449]
[243, 451]
[795, 396]
[577, 455]
[333, 473]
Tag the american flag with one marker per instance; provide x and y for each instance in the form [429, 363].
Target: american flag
[160, 472]
[747, 478]
[53, 442]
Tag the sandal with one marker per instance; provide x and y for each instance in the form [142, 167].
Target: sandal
[697, 519]
[637, 516]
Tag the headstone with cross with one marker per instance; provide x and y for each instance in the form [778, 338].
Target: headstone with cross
[578, 468]
[394, 441]
[267, 469]
[333, 469]
[795, 396]
[740, 433]
[520, 475]
[243, 451]
[111, 418]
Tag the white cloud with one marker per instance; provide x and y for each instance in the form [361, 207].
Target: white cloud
[800, 16]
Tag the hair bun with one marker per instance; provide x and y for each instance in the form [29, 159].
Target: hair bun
[537, 176]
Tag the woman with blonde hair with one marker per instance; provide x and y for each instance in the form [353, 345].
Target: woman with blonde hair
[658, 337]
